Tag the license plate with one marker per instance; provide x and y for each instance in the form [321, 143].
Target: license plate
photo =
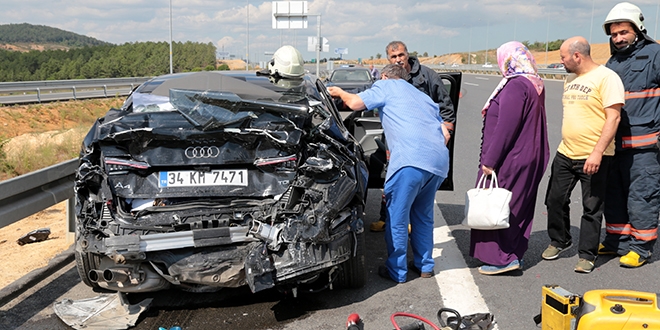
[200, 178]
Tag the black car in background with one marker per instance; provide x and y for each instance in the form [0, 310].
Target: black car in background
[350, 78]
[208, 180]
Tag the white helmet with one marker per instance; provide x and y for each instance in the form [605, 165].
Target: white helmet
[625, 12]
[287, 62]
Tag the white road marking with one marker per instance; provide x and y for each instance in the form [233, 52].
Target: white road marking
[481, 78]
[456, 284]
[471, 84]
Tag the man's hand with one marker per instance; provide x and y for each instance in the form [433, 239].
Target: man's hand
[446, 133]
[335, 91]
[353, 101]
[592, 164]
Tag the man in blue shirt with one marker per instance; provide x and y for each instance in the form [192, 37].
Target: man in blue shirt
[419, 161]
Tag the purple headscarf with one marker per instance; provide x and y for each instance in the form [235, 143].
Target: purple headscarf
[514, 59]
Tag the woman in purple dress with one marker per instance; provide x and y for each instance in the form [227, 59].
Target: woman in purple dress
[515, 146]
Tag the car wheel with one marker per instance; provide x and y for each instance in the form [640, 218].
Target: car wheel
[85, 262]
[353, 272]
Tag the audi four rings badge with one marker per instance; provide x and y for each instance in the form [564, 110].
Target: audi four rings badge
[202, 152]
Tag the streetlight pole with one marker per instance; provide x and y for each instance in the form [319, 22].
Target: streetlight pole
[655, 34]
[487, 30]
[470, 48]
[170, 36]
[547, 34]
[515, 27]
[319, 45]
[591, 27]
[247, 35]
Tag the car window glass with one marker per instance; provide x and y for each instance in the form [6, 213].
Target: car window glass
[339, 76]
[148, 103]
[328, 102]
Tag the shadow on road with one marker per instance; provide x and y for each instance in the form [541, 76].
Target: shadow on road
[17, 316]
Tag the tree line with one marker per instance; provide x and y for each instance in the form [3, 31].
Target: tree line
[139, 59]
[540, 46]
[40, 34]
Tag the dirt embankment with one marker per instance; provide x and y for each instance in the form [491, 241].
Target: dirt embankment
[599, 52]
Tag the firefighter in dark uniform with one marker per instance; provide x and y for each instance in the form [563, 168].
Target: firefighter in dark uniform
[632, 202]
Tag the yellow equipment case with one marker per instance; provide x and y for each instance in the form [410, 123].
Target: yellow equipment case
[558, 308]
[618, 309]
[598, 309]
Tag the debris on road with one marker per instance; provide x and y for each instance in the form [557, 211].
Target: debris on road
[107, 311]
[34, 236]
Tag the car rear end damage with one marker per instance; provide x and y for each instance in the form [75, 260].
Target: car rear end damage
[211, 189]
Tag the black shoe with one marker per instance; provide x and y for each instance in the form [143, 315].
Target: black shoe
[384, 273]
[411, 266]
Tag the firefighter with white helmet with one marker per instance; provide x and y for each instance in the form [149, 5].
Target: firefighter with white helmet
[633, 192]
[287, 62]
[625, 12]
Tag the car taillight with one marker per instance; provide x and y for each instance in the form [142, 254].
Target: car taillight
[118, 164]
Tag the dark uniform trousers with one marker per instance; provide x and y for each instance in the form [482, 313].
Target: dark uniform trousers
[633, 202]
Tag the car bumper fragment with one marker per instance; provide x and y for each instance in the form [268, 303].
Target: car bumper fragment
[169, 241]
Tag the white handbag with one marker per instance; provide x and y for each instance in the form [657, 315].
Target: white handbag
[487, 208]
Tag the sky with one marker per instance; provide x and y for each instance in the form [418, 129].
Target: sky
[364, 28]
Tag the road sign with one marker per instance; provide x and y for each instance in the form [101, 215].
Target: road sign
[289, 14]
[341, 51]
[311, 44]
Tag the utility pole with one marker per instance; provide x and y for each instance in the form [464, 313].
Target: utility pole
[170, 36]
[247, 35]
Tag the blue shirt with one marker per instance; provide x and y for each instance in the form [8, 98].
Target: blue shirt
[412, 125]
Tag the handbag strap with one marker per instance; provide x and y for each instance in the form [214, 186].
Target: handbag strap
[493, 181]
[482, 181]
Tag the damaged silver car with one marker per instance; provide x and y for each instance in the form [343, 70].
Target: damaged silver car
[208, 180]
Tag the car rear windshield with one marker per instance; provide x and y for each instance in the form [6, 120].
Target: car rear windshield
[187, 92]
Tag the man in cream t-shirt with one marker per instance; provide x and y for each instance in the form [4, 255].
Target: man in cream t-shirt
[592, 101]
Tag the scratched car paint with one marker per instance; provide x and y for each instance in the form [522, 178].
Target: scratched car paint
[209, 180]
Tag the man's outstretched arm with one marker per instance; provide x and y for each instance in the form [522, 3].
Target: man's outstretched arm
[352, 101]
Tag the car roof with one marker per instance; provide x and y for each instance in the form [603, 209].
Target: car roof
[218, 81]
[246, 85]
[351, 68]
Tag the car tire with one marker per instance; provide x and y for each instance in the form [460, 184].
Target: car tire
[85, 262]
[353, 273]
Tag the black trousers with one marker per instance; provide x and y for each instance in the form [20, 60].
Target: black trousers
[565, 174]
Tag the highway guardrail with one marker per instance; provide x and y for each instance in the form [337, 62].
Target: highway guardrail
[61, 90]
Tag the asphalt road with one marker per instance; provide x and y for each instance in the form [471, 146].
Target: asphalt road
[513, 298]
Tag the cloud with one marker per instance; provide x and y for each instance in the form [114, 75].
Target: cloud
[365, 27]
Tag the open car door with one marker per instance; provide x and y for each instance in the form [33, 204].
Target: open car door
[366, 128]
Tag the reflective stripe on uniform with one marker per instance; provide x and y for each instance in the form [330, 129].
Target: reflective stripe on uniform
[647, 93]
[618, 228]
[644, 234]
[639, 141]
